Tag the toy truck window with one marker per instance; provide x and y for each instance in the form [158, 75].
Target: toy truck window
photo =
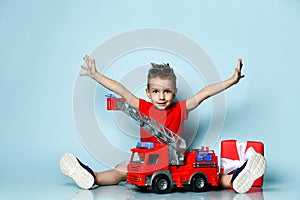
[138, 158]
[153, 159]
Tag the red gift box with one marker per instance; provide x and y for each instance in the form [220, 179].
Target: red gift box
[234, 153]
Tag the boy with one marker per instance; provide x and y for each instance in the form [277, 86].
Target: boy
[161, 90]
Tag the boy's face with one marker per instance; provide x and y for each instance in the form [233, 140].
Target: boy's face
[161, 92]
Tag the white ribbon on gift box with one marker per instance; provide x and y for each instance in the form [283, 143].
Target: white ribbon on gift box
[230, 165]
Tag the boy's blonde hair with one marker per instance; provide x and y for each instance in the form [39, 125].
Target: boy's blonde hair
[163, 71]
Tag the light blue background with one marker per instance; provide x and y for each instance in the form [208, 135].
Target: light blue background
[41, 48]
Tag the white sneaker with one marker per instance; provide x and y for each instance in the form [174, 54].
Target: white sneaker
[81, 174]
[244, 177]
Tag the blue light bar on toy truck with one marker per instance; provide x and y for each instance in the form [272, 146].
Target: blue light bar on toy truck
[146, 145]
[204, 157]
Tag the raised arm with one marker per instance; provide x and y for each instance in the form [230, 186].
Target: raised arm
[112, 85]
[213, 89]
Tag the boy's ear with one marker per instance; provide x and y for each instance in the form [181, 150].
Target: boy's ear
[148, 93]
[175, 92]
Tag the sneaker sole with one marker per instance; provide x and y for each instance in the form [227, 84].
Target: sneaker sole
[69, 166]
[255, 168]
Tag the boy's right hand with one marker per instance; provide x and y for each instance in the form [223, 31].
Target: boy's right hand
[238, 72]
[90, 69]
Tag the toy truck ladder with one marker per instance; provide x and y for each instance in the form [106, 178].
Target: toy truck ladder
[176, 144]
[162, 133]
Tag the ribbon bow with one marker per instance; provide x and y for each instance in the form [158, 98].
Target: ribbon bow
[230, 165]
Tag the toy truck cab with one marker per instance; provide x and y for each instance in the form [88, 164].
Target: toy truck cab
[147, 159]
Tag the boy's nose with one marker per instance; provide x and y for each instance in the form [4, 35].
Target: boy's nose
[161, 96]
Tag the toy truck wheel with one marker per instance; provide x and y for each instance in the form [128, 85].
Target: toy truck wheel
[161, 184]
[198, 183]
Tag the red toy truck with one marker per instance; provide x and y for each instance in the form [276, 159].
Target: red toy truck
[149, 167]
[166, 164]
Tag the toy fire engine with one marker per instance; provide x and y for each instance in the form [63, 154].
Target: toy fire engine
[167, 163]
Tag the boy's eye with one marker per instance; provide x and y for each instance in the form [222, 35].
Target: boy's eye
[165, 91]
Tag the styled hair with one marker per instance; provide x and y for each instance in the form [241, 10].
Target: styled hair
[163, 71]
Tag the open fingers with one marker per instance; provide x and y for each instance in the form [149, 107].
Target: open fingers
[83, 74]
[238, 69]
[87, 60]
[94, 62]
[84, 67]
[93, 66]
[90, 66]
[240, 64]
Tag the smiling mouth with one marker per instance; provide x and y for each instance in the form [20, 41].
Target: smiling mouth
[162, 104]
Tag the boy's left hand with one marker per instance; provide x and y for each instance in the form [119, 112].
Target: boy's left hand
[90, 68]
[238, 74]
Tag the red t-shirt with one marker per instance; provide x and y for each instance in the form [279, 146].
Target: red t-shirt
[172, 118]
